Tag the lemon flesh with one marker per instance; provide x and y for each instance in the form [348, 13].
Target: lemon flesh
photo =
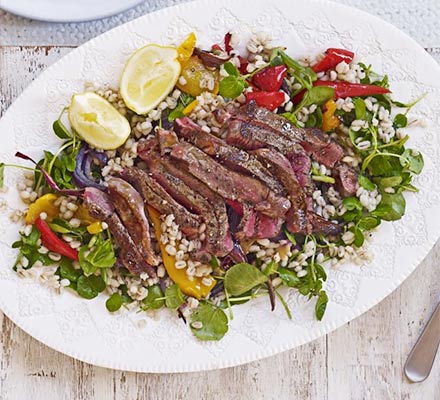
[149, 76]
[97, 121]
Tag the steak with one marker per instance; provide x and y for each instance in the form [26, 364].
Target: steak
[130, 207]
[215, 232]
[217, 204]
[99, 206]
[320, 225]
[232, 157]
[346, 179]
[322, 148]
[229, 184]
[281, 168]
[158, 198]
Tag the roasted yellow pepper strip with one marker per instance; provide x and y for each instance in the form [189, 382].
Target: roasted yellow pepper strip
[190, 107]
[95, 227]
[43, 204]
[194, 287]
[186, 48]
[82, 214]
[329, 120]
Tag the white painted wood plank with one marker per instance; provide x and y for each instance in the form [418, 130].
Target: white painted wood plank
[375, 345]
[418, 19]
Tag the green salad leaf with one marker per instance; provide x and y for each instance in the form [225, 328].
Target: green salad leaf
[155, 298]
[209, 322]
[243, 277]
[114, 302]
[173, 297]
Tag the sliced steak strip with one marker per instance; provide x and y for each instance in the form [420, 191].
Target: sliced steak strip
[346, 179]
[130, 206]
[267, 227]
[195, 202]
[281, 168]
[232, 157]
[274, 121]
[100, 207]
[230, 184]
[320, 225]
[225, 243]
[322, 148]
[158, 198]
[314, 141]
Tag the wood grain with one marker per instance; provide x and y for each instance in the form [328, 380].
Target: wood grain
[362, 360]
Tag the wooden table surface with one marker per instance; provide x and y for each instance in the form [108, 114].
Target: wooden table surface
[361, 360]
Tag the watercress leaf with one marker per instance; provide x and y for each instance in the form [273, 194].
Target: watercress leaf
[213, 322]
[85, 288]
[85, 264]
[231, 87]
[60, 130]
[352, 215]
[391, 207]
[321, 305]
[317, 95]
[173, 297]
[271, 268]
[389, 181]
[231, 69]
[320, 272]
[412, 160]
[366, 183]
[379, 166]
[400, 121]
[290, 236]
[352, 203]
[359, 108]
[288, 277]
[126, 299]
[242, 277]
[176, 113]
[368, 223]
[154, 299]
[114, 302]
[358, 237]
[68, 271]
[97, 283]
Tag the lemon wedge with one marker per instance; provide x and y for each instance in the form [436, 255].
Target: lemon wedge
[149, 76]
[97, 121]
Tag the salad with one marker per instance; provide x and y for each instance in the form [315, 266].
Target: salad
[211, 177]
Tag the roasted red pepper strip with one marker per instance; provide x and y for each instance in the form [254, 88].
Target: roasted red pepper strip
[347, 89]
[228, 47]
[332, 58]
[51, 241]
[243, 65]
[269, 100]
[270, 79]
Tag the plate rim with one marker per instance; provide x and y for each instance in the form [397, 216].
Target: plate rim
[206, 365]
[17, 11]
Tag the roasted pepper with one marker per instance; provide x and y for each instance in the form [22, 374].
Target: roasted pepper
[332, 58]
[194, 287]
[190, 107]
[329, 120]
[50, 240]
[45, 204]
[186, 48]
[95, 227]
[270, 79]
[82, 214]
[269, 100]
[347, 89]
[197, 78]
